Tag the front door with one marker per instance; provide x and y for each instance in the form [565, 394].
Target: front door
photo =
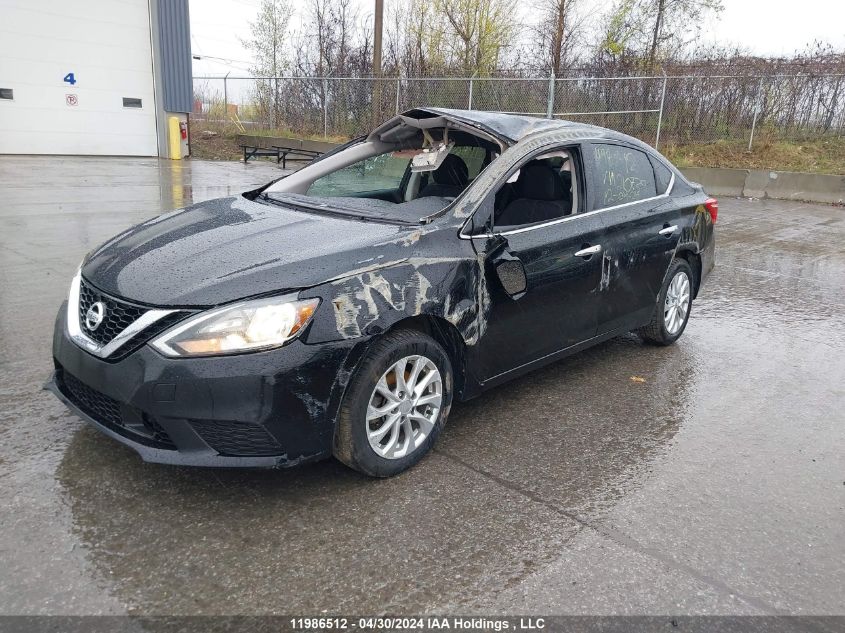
[561, 257]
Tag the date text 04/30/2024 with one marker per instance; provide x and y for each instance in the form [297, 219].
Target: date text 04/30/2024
[417, 623]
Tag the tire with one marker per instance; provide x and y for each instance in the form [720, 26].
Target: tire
[353, 442]
[663, 329]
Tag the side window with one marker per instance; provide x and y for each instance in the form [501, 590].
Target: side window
[376, 173]
[543, 190]
[662, 175]
[620, 175]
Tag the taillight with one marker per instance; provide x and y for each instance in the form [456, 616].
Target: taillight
[712, 206]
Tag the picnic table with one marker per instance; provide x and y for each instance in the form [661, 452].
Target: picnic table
[282, 149]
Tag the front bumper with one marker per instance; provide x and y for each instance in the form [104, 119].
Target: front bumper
[266, 409]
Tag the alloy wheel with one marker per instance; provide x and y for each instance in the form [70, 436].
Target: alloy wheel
[404, 406]
[677, 303]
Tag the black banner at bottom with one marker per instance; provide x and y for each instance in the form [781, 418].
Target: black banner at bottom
[459, 623]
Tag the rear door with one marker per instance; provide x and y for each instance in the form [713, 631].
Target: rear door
[643, 226]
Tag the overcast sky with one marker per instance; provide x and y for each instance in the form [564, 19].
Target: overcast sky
[768, 27]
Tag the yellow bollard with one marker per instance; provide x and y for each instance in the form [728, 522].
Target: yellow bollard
[174, 137]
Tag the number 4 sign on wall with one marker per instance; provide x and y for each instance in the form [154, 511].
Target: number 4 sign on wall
[69, 78]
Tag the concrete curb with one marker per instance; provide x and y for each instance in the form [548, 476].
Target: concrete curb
[758, 183]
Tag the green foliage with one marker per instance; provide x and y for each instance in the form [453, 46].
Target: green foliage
[647, 30]
[619, 28]
[464, 36]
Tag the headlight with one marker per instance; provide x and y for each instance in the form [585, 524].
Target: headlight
[242, 327]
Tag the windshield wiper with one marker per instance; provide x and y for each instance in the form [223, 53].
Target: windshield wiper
[333, 211]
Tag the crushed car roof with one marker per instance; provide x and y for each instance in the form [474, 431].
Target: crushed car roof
[511, 128]
[508, 128]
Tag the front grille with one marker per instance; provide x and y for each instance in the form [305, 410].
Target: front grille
[121, 418]
[237, 438]
[147, 334]
[98, 405]
[118, 314]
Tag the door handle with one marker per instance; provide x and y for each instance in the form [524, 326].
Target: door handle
[590, 250]
[668, 230]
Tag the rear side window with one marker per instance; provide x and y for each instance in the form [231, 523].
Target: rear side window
[620, 175]
[662, 175]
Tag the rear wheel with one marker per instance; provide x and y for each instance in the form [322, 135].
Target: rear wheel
[395, 406]
[673, 306]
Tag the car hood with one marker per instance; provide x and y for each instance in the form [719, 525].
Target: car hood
[230, 248]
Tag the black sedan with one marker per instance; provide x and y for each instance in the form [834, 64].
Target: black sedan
[340, 310]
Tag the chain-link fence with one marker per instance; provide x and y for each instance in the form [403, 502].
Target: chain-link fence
[689, 109]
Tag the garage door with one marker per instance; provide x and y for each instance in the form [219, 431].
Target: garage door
[76, 78]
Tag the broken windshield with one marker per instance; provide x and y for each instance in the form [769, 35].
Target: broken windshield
[372, 175]
[404, 181]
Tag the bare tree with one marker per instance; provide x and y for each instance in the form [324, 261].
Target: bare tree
[331, 40]
[802, 94]
[415, 39]
[666, 18]
[555, 34]
[333, 43]
[481, 29]
[637, 33]
[267, 43]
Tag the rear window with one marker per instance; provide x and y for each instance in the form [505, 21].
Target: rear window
[621, 175]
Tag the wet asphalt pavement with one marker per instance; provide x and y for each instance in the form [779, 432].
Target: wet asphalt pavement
[707, 477]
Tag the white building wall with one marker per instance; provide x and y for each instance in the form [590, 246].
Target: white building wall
[106, 45]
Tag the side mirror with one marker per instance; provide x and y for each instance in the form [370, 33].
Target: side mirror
[508, 267]
[511, 273]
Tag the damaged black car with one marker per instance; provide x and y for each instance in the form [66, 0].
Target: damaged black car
[342, 309]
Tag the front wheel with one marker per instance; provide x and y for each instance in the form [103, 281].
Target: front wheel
[673, 306]
[395, 406]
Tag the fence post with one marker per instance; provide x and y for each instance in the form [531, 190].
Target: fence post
[398, 88]
[756, 113]
[551, 102]
[277, 115]
[325, 108]
[225, 98]
[469, 100]
[660, 113]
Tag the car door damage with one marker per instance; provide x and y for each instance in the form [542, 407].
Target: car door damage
[374, 299]
[509, 268]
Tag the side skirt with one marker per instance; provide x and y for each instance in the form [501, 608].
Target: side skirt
[551, 358]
